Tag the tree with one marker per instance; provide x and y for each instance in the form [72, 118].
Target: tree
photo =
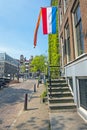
[22, 68]
[38, 63]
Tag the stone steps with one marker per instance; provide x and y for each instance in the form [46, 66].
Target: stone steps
[58, 81]
[60, 94]
[60, 97]
[58, 85]
[62, 106]
[58, 89]
[61, 100]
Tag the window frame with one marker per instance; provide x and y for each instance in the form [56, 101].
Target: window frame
[67, 41]
[78, 36]
[65, 5]
[83, 103]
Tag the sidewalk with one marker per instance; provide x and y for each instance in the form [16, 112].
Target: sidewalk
[67, 121]
[37, 115]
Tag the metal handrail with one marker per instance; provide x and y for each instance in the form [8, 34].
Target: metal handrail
[50, 76]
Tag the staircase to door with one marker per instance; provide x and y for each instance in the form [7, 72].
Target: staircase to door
[60, 96]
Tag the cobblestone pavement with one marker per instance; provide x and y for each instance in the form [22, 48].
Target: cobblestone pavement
[37, 115]
[12, 102]
[66, 120]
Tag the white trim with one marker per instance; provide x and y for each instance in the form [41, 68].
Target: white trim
[83, 113]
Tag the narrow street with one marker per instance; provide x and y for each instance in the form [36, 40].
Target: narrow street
[12, 102]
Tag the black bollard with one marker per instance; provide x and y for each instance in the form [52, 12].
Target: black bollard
[25, 101]
[34, 87]
[38, 84]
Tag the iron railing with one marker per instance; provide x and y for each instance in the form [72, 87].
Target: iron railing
[53, 72]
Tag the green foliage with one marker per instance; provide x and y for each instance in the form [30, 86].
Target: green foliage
[54, 56]
[22, 68]
[54, 3]
[38, 63]
[53, 43]
[44, 94]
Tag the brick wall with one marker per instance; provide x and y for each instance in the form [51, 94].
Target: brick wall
[68, 17]
[83, 7]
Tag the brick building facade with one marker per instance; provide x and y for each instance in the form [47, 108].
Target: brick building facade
[73, 48]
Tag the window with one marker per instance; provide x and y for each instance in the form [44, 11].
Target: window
[67, 41]
[78, 31]
[62, 51]
[83, 93]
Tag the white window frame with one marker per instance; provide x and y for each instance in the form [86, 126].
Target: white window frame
[65, 5]
[74, 32]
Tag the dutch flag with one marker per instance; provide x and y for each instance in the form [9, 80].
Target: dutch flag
[48, 15]
[49, 20]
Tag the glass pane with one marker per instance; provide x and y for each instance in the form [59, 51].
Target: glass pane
[68, 33]
[83, 92]
[78, 13]
[68, 48]
[82, 37]
[75, 18]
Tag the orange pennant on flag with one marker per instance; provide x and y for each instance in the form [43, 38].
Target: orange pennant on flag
[36, 29]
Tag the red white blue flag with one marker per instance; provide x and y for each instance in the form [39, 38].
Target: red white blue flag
[49, 20]
[48, 15]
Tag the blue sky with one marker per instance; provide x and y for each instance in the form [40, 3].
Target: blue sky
[17, 24]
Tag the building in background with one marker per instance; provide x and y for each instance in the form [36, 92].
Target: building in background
[26, 63]
[22, 59]
[73, 46]
[8, 66]
[25, 67]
